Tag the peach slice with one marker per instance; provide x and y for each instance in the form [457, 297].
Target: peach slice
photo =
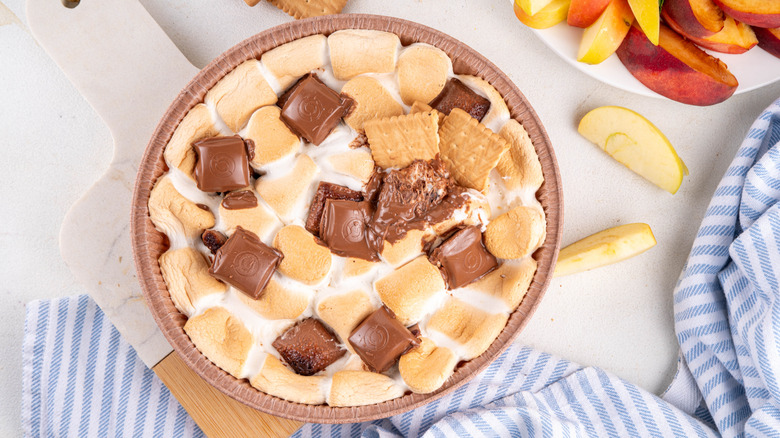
[694, 18]
[532, 7]
[603, 37]
[769, 39]
[549, 16]
[676, 68]
[648, 16]
[736, 37]
[583, 13]
[759, 13]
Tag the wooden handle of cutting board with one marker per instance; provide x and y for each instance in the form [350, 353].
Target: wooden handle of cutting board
[217, 414]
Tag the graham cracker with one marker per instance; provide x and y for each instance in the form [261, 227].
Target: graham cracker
[397, 141]
[309, 8]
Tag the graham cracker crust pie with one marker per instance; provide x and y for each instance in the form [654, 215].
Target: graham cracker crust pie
[348, 219]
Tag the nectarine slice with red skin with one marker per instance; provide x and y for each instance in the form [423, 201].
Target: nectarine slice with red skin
[695, 18]
[760, 13]
[676, 68]
[735, 38]
[583, 13]
[768, 39]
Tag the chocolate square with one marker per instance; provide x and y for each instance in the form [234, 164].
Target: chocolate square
[312, 109]
[239, 200]
[380, 340]
[463, 258]
[325, 191]
[344, 229]
[245, 263]
[456, 94]
[222, 164]
[308, 347]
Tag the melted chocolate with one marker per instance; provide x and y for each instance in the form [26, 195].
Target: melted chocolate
[312, 109]
[245, 263]
[239, 200]
[380, 340]
[456, 94]
[463, 258]
[222, 164]
[214, 240]
[308, 347]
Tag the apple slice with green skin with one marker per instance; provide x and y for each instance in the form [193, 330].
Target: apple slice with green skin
[636, 143]
[603, 37]
[694, 18]
[769, 39]
[735, 37]
[604, 248]
[583, 13]
[549, 16]
[647, 14]
[759, 13]
[532, 7]
[676, 68]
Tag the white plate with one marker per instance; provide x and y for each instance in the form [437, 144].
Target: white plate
[753, 69]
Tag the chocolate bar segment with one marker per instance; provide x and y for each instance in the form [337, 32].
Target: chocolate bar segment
[463, 258]
[245, 263]
[456, 94]
[239, 200]
[344, 228]
[312, 109]
[325, 191]
[308, 347]
[222, 164]
[380, 340]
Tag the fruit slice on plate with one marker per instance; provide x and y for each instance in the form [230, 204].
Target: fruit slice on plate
[583, 13]
[769, 39]
[647, 15]
[694, 18]
[549, 16]
[636, 143]
[603, 37]
[761, 13]
[735, 37]
[532, 7]
[676, 68]
[604, 248]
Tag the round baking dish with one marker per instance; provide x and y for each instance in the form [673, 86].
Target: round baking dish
[148, 244]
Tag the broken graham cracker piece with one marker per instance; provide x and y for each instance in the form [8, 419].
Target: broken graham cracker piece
[283, 193]
[422, 73]
[358, 388]
[408, 288]
[509, 282]
[308, 8]
[292, 60]
[196, 125]
[519, 166]
[242, 91]
[469, 149]
[419, 107]
[271, 137]
[397, 141]
[222, 338]
[277, 380]
[372, 101]
[426, 367]
[516, 233]
[357, 51]
[344, 312]
[174, 214]
[186, 273]
[304, 259]
[277, 302]
[472, 328]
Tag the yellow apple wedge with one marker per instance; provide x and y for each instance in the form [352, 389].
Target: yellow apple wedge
[604, 248]
[549, 16]
[603, 37]
[531, 7]
[648, 15]
[636, 143]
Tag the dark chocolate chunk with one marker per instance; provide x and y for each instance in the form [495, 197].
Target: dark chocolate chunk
[213, 240]
[344, 228]
[456, 94]
[324, 192]
[308, 347]
[312, 110]
[245, 263]
[222, 164]
[463, 258]
[239, 200]
[380, 340]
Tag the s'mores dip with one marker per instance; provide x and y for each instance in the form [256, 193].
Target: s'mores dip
[348, 219]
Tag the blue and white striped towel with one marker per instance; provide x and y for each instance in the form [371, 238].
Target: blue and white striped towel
[81, 379]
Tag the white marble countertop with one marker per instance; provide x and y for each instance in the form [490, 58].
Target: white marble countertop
[620, 317]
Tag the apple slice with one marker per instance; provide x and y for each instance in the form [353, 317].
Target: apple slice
[583, 13]
[676, 68]
[647, 14]
[603, 37]
[532, 7]
[759, 13]
[604, 248]
[769, 39]
[636, 143]
[736, 37]
[549, 16]
[694, 18]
